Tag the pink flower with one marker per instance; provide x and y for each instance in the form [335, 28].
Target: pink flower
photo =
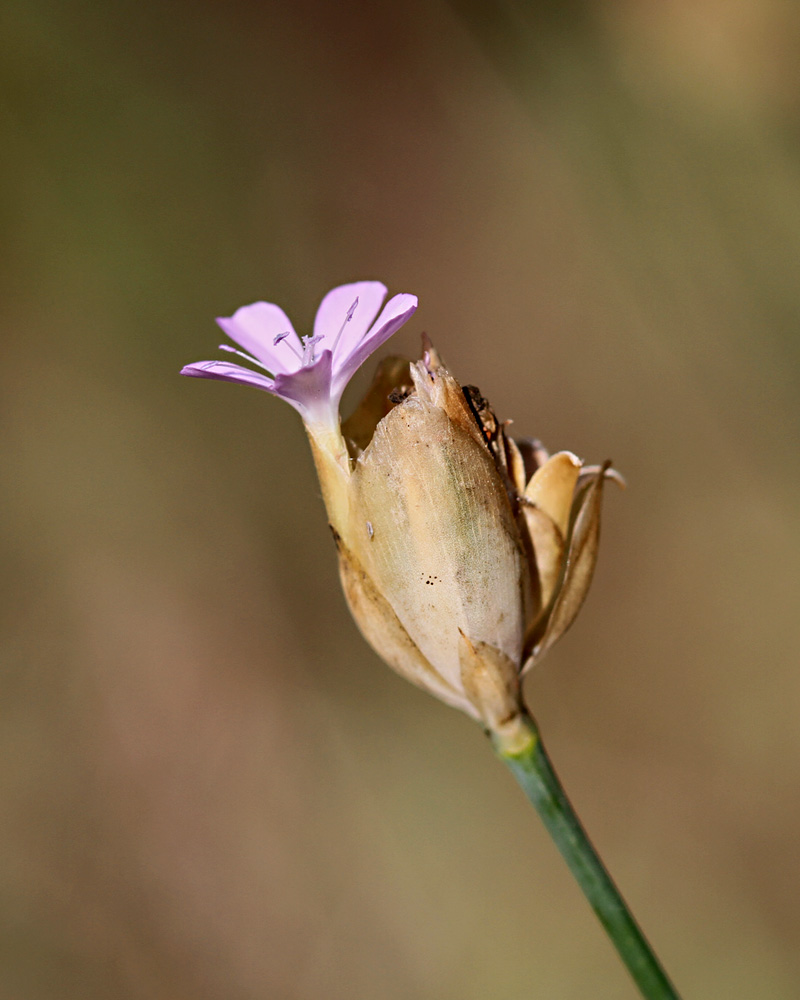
[310, 373]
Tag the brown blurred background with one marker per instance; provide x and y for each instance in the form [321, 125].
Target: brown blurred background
[210, 787]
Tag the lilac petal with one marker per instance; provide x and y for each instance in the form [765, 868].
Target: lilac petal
[257, 327]
[395, 313]
[226, 372]
[309, 391]
[332, 314]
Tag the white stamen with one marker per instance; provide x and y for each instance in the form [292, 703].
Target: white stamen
[247, 357]
[309, 343]
[347, 319]
[370, 529]
[282, 336]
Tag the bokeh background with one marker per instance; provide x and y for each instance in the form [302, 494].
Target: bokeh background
[210, 787]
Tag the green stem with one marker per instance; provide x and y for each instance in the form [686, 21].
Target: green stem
[530, 765]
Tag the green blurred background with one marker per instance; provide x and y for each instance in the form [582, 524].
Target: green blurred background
[210, 787]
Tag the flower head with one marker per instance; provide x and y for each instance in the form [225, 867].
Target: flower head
[309, 372]
[463, 554]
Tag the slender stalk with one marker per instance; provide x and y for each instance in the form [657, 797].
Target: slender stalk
[528, 761]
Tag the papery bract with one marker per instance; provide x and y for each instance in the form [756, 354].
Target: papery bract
[432, 526]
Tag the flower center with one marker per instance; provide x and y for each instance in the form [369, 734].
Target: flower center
[309, 343]
[309, 355]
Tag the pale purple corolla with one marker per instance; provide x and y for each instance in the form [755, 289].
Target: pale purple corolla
[310, 372]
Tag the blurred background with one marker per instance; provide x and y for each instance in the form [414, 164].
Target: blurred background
[210, 786]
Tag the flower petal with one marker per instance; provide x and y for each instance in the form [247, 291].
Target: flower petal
[256, 328]
[309, 391]
[226, 372]
[396, 312]
[332, 314]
